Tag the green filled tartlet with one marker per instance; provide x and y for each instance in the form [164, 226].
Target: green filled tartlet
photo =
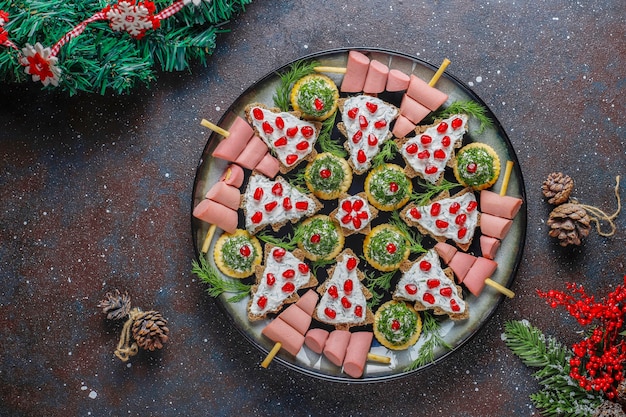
[387, 187]
[386, 247]
[236, 254]
[477, 166]
[315, 96]
[397, 325]
[328, 176]
[321, 238]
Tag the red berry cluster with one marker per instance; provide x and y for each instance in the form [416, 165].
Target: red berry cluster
[598, 361]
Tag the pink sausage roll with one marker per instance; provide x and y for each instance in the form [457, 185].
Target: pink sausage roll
[252, 154]
[420, 91]
[402, 127]
[269, 166]
[397, 81]
[215, 213]
[235, 175]
[296, 318]
[356, 72]
[445, 251]
[498, 205]
[356, 354]
[489, 246]
[336, 345]
[239, 135]
[224, 194]
[376, 78]
[315, 339]
[413, 110]
[308, 301]
[494, 226]
[461, 264]
[279, 331]
[475, 279]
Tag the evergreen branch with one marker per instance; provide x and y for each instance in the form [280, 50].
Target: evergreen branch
[423, 198]
[561, 394]
[218, 285]
[387, 153]
[299, 69]
[432, 341]
[470, 108]
[325, 141]
[413, 236]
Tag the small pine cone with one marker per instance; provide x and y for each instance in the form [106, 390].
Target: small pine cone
[116, 306]
[557, 188]
[149, 330]
[609, 409]
[621, 392]
[569, 223]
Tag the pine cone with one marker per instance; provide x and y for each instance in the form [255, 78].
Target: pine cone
[621, 392]
[149, 330]
[116, 306]
[569, 223]
[609, 409]
[557, 188]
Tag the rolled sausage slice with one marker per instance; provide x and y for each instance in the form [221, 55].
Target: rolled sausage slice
[356, 72]
[296, 318]
[397, 81]
[239, 135]
[356, 353]
[315, 339]
[225, 194]
[279, 331]
[489, 246]
[494, 226]
[268, 166]
[218, 214]
[499, 205]
[336, 345]
[308, 301]
[475, 278]
[252, 154]
[445, 251]
[420, 91]
[461, 263]
[413, 110]
[402, 127]
[376, 79]
[233, 175]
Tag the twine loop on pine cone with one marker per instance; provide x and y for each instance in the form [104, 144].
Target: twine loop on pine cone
[125, 349]
[598, 216]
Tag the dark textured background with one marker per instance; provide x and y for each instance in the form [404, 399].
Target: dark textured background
[95, 194]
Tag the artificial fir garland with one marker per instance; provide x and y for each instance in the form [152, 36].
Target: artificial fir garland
[101, 46]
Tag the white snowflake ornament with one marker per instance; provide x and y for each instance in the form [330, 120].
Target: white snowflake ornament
[40, 64]
[195, 2]
[133, 18]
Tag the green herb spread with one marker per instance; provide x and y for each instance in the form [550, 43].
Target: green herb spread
[484, 172]
[315, 88]
[330, 183]
[380, 243]
[326, 239]
[380, 186]
[397, 323]
[231, 253]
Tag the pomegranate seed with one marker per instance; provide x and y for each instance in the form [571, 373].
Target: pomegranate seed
[412, 148]
[356, 222]
[423, 155]
[357, 205]
[346, 206]
[262, 301]
[353, 112]
[330, 312]
[245, 251]
[289, 273]
[291, 159]
[307, 131]
[279, 253]
[362, 215]
[270, 279]
[425, 139]
[346, 219]
[351, 264]
[460, 219]
[380, 124]
[435, 209]
[372, 140]
[439, 154]
[258, 193]
[442, 224]
[462, 232]
[471, 206]
[282, 141]
[425, 266]
[333, 292]
[289, 287]
[429, 298]
[454, 306]
[395, 325]
[302, 205]
[431, 169]
[257, 113]
[433, 283]
[358, 311]
[393, 187]
[446, 141]
[361, 157]
[443, 126]
[277, 189]
[287, 203]
[302, 146]
[345, 302]
[357, 137]
[271, 206]
[267, 128]
[454, 208]
[471, 167]
[315, 238]
[411, 289]
[391, 248]
[456, 123]
[292, 131]
[257, 217]
[415, 213]
[446, 291]
[363, 122]
[348, 286]
[325, 173]
[280, 123]
[372, 107]
[303, 268]
[319, 104]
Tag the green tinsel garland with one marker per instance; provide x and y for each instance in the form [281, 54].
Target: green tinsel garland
[101, 60]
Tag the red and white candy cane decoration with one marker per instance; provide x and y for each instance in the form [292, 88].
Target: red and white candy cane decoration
[130, 16]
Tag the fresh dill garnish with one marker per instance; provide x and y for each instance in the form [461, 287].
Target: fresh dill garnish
[432, 340]
[414, 237]
[423, 198]
[298, 181]
[287, 242]
[321, 263]
[470, 108]
[218, 285]
[378, 283]
[325, 141]
[387, 153]
[298, 70]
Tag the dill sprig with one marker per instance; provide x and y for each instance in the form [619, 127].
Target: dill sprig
[432, 190]
[560, 394]
[288, 78]
[470, 108]
[378, 284]
[218, 285]
[287, 242]
[432, 340]
[414, 237]
[325, 141]
[387, 153]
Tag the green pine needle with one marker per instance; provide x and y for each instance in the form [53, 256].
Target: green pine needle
[560, 394]
[218, 285]
[432, 341]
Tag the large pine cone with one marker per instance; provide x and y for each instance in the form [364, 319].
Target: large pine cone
[116, 306]
[569, 223]
[609, 409]
[621, 392]
[557, 188]
[149, 330]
